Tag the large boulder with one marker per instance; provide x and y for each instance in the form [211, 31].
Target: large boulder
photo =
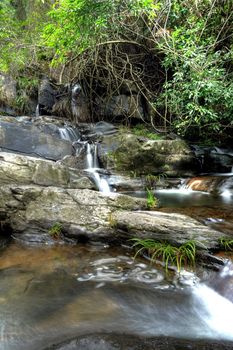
[130, 153]
[90, 215]
[29, 139]
[214, 159]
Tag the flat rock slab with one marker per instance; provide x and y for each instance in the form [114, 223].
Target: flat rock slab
[132, 342]
[170, 227]
[81, 212]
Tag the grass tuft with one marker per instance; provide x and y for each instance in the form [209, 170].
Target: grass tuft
[226, 243]
[184, 255]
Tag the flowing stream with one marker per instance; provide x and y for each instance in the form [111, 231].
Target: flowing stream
[48, 295]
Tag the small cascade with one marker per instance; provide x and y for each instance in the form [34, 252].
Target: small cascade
[220, 185]
[37, 110]
[92, 165]
[202, 183]
[90, 152]
[226, 187]
[68, 133]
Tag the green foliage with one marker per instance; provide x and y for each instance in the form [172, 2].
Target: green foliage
[56, 230]
[152, 201]
[80, 24]
[21, 24]
[226, 243]
[198, 59]
[170, 255]
[178, 55]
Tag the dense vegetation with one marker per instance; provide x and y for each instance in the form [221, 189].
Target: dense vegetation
[177, 55]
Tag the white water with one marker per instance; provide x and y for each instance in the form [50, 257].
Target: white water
[69, 134]
[215, 310]
[37, 110]
[92, 165]
[224, 188]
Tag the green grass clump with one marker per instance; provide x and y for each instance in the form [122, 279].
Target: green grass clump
[170, 255]
[56, 230]
[152, 201]
[226, 243]
[141, 130]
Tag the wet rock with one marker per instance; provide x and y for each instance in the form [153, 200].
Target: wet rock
[79, 104]
[130, 153]
[204, 183]
[96, 131]
[29, 139]
[123, 183]
[134, 342]
[72, 103]
[19, 169]
[214, 159]
[170, 227]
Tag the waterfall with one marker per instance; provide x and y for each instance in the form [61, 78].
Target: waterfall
[92, 165]
[91, 158]
[68, 133]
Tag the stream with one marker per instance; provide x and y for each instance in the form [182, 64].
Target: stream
[51, 295]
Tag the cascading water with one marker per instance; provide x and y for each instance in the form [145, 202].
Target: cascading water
[92, 166]
[69, 134]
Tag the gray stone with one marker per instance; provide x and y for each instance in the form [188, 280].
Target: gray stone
[174, 228]
[46, 96]
[29, 139]
[81, 212]
[25, 170]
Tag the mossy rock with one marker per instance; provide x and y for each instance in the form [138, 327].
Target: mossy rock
[172, 157]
